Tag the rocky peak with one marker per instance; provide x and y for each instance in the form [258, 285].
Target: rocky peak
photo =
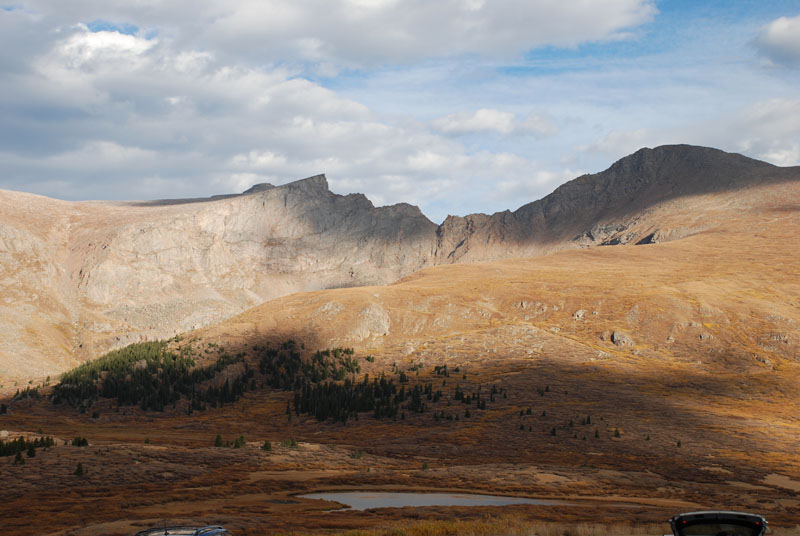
[260, 187]
[599, 208]
[315, 184]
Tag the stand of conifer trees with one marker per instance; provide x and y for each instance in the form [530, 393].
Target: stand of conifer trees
[11, 448]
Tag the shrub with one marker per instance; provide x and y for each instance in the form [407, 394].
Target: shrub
[616, 433]
[267, 446]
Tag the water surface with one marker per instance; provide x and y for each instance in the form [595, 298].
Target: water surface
[364, 500]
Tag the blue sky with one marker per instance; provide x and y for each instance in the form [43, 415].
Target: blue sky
[457, 106]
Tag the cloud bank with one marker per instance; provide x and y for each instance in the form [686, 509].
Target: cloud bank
[457, 106]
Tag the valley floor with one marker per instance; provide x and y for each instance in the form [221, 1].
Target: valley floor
[736, 451]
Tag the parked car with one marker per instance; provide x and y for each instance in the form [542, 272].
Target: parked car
[718, 523]
[208, 530]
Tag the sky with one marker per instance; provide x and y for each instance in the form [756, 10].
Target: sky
[456, 106]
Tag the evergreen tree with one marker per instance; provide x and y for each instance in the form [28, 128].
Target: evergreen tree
[616, 433]
[267, 446]
[79, 471]
[18, 459]
[596, 433]
[3, 409]
[218, 440]
[31, 451]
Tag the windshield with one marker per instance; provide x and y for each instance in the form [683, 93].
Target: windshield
[719, 529]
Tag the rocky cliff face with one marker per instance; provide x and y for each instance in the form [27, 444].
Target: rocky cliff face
[80, 278]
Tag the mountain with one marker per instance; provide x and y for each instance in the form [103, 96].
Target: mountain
[81, 278]
[629, 202]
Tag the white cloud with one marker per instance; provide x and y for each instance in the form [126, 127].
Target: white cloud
[85, 47]
[482, 120]
[787, 155]
[491, 120]
[780, 40]
[617, 143]
[369, 32]
[769, 130]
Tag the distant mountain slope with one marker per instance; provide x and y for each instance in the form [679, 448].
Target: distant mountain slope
[606, 207]
[80, 278]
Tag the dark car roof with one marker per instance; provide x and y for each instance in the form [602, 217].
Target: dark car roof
[744, 518]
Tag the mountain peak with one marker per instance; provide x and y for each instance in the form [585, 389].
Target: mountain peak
[309, 184]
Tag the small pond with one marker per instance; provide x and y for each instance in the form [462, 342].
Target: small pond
[363, 500]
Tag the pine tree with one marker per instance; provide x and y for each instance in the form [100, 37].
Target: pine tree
[596, 433]
[3, 409]
[267, 446]
[553, 431]
[616, 432]
[31, 451]
[79, 471]
[218, 441]
[18, 459]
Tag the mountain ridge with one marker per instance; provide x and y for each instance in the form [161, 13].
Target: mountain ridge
[84, 277]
